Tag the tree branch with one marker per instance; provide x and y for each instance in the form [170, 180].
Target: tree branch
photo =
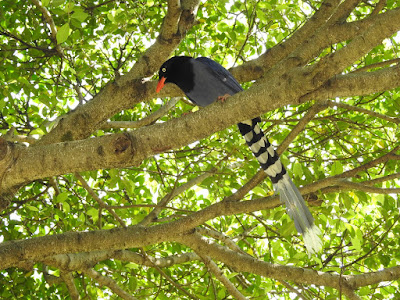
[101, 203]
[142, 122]
[108, 282]
[177, 21]
[53, 29]
[170, 280]
[322, 37]
[245, 263]
[68, 279]
[84, 260]
[365, 111]
[336, 62]
[217, 272]
[137, 236]
[389, 274]
[127, 91]
[221, 237]
[176, 191]
[257, 67]
[356, 84]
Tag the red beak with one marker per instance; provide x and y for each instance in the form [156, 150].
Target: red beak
[160, 84]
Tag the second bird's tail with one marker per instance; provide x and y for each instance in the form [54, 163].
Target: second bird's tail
[288, 192]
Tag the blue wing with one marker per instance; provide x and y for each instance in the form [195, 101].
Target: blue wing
[221, 72]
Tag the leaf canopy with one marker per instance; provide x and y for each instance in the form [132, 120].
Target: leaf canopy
[339, 140]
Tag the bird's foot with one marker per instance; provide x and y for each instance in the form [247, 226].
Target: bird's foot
[223, 98]
[187, 113]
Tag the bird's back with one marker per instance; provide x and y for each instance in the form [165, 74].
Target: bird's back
[211, 81]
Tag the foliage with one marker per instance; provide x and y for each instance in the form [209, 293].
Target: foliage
[44, 76]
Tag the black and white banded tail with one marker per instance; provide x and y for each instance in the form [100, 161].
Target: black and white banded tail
[288, 192]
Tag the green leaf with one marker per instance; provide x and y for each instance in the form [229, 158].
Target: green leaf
[132, 283]
[80, 15]
[356, 243]
[69, 7]
[261, 191]
[63, 33]
[32, 208]
[298, 169]
[61, 197]
[336, 168]
[56, 3]
[93, 212]
[38, 131]
[221, 294]
[66, 207]
[288, 229]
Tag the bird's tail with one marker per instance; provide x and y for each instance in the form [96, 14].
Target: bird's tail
[288, 192]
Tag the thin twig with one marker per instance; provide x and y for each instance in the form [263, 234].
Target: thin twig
[219, 274]
[101, 203]
[365, 111]
[169, 279]
[50, 21]
[293, 289]
[316, 108]
[176, 191]
[145, 121]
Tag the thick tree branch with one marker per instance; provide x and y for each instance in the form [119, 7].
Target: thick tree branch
[256, 68]
[178, 20]
[383, 178]
[321, 37]
[336, 62]
[161, 262]
[245, 263]
[85, 119]
[389, 274]
[131, 148]
[356, 84]
[365, 187]
[128, 90]
[137, 236]
[85, 260]
[127, 93]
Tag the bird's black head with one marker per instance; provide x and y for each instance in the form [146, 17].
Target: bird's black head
[178, 70]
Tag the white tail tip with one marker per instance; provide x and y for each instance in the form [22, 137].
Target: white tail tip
[312, 241]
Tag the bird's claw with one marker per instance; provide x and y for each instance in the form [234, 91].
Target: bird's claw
[223, 98]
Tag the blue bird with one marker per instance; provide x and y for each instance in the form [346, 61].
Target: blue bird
[204, 81]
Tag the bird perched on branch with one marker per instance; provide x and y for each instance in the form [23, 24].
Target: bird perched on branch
[204, 81]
